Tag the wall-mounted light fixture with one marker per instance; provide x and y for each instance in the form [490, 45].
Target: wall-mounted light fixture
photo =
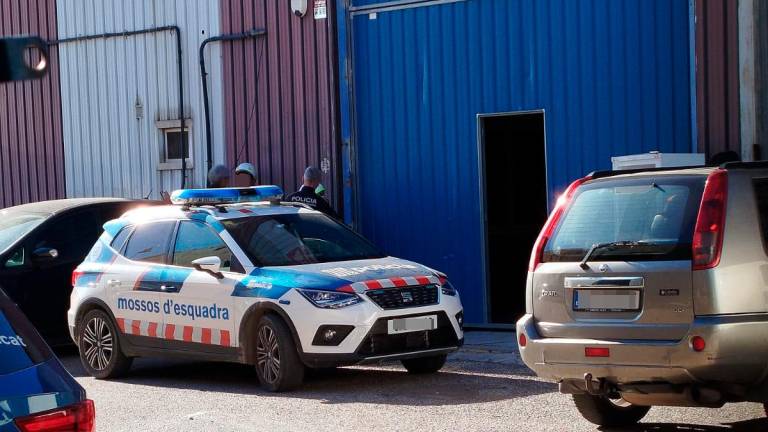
[299, 7]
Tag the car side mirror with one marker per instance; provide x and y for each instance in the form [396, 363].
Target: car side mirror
[209, 264]
[44, 254]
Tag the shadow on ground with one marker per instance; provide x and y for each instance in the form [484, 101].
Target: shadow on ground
[383, 386]
[755, 425]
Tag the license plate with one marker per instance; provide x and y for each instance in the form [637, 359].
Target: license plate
[606, 300]
[406, 325]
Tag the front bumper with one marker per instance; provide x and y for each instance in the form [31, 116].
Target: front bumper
[735, 353]
[369, 340]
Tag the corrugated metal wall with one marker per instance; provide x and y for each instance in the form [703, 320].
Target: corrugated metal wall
[31, 162]
[280, 92]
[110, 150]
[612, 76]
[717, 76]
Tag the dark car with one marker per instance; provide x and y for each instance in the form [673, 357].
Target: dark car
[36, 392]
[41, 244]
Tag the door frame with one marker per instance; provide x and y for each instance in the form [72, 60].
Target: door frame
[484, 201]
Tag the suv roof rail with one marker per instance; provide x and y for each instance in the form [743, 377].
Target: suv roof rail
[611, 173]
[745, 165]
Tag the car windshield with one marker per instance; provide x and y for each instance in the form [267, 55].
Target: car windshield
[20, 345]
[298, 238]
[656, 216]
[13, 226]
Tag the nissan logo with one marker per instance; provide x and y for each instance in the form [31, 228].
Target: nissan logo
[407, 296]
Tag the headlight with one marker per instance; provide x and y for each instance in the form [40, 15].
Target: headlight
[448, 289]
[330, 299]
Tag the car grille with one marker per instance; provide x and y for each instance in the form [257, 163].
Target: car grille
[405, 297]
[378, 342]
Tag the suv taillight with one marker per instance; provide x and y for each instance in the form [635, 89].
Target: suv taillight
[549, 226]
[79, 417]
[76, 274]
[710, 224]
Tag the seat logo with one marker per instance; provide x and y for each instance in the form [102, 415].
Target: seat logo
[407, 297]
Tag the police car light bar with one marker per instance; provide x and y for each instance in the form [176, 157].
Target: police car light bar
[226, 195]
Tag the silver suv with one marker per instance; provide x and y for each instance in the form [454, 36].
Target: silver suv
[651, 288]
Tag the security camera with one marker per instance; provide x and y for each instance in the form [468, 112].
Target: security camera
[299, 7]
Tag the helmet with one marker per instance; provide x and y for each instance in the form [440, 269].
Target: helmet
[246, 168]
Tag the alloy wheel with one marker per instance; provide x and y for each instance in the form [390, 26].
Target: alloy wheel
[268, 354]
[97, 343]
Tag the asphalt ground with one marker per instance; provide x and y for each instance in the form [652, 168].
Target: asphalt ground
[484, 387]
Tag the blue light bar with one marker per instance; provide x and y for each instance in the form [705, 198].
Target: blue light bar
[226, 195]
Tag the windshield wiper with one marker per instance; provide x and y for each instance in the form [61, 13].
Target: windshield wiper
[611, 245]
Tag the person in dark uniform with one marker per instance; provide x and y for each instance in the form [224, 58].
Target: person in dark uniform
[308, 195]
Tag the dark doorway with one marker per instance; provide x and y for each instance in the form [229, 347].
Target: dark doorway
[515, 176]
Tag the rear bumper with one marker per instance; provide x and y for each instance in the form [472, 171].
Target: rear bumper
[736, 352]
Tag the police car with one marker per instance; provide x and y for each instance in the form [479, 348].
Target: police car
[237, 275]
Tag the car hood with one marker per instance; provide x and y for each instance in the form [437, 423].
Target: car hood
[272, 282]
[37, 388]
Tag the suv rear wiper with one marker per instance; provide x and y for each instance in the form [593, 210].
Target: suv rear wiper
[597, 246]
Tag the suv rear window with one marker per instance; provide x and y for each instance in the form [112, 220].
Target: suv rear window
[660, 212]
[20, 345]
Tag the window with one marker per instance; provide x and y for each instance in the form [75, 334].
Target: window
[15, 329]
[197, 240]
[72, 235]
[299, 238]
[121, 238]
[15, 225]
[660, 212]
[174, 143]
[761, 196]
[149, 242]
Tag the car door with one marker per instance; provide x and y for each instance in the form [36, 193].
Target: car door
[135, 279]
[44, 279]
[199, 313]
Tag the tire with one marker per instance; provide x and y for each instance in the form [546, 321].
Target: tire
[277, 362]
[424, 365]
[603, 411]
[99, 346]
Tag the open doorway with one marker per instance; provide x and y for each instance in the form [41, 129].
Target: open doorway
[515, 181]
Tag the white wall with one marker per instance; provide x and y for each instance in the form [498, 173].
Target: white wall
[107, 150]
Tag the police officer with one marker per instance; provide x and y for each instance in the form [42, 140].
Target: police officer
[249, 171]
[307, 194]
[218, 177]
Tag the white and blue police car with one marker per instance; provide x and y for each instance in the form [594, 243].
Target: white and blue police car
[237, 275]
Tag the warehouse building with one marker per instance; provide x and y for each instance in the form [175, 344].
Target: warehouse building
[445, 128]
[466, 118]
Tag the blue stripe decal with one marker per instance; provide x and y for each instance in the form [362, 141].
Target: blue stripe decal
[159, 275]
[273, 284]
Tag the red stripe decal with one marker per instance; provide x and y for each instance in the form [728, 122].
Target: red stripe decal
[398, 281]
[373, 284]
[206, 338]
[121, 324]
[136, 327]
[187, 334]
[224, 338]
[346, 288]
[169, 330]
[152, 329]
[422, 280]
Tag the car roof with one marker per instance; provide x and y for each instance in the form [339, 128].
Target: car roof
[219, 212]
[52, 207]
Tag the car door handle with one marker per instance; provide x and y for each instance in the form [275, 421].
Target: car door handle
[168, 288]
[112, 283]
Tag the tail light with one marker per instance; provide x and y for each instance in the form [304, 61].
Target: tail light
[710, 223]
[76, 274]
[698, 343]
[79, 417]
[522, 341]
[597, 352]
[549, 226]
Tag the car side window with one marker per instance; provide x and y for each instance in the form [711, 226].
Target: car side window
[197, 240]
[71, 235]
[16, 259]
[121, 238]
[149, 242]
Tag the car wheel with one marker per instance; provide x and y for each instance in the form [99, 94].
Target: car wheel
[765, 408]
[425, 365]
[604, 411]
[99, 347]
[277, 361]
